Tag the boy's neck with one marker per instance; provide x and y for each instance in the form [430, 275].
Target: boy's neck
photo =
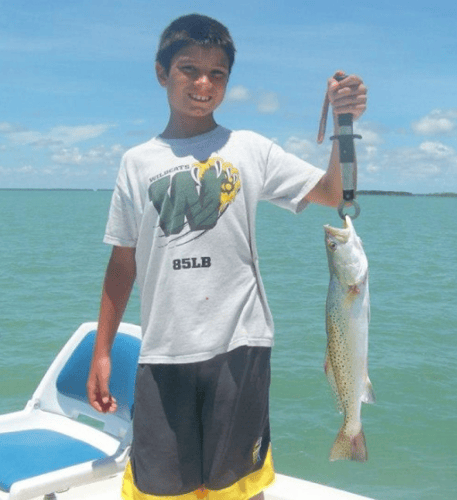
[184, 129]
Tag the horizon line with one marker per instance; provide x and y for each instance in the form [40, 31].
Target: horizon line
[362, 192]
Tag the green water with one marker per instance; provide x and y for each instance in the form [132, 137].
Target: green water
[52, 263]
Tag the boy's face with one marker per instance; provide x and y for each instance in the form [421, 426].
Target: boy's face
[196, 81]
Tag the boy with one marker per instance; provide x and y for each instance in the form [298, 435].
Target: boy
[181, 223]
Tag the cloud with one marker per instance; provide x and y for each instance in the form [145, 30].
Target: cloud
[265, 102]
[57, 135]
[9, 128]
[58, 156]
[238, 93]
[71, 135]
[372, 168]
[303, 148]
[24, 170]
[430, 166]
[371, 151]
[437, 122]
[371, 133]
[425, 167]
[100, 155]
[22, 138]
[5, 171]
[268, 103]
[437, 150]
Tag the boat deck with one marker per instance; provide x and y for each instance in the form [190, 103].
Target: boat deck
[285, 488]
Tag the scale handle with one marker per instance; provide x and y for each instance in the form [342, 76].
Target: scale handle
[348, 165]
[345, 136]
[347, 153]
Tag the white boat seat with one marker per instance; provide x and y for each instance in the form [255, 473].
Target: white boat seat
[35, 452]
[59, 441]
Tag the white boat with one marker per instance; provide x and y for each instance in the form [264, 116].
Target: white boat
[59, 447]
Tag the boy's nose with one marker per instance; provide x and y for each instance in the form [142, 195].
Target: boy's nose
[203, 80]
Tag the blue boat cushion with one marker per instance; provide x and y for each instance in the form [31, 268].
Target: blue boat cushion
[124, 358]
[30, 453]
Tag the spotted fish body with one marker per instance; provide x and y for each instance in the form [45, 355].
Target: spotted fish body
[347, 318]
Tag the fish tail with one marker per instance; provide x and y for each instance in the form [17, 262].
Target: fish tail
[349, 447]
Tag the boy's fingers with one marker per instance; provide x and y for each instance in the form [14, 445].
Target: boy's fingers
[98, 386]
[107, 400]
[99, 396]
[105, 404]
[359, 91]
[348, 84]
[109, 404]
[113, 404]
[350, 100]
[96, 406]
[93, 400]
[348, 95]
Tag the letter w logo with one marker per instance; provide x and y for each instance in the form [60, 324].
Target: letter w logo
[182, 202]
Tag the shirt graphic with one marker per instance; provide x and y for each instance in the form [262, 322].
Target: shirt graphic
[191, 198]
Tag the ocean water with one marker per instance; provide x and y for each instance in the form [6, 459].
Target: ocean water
[52, 264]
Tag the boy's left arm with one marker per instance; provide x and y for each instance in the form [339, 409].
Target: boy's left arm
[346, 96]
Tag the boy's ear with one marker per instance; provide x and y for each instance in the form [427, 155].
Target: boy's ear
[161, 73]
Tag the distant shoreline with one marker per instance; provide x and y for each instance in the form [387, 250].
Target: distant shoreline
[54, 189]
[361, 192]
[405, 193]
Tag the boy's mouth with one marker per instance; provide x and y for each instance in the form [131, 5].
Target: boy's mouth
[200, 98]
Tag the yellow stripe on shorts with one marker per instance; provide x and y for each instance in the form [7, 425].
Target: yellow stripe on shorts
[244, 489]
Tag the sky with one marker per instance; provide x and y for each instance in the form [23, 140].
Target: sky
[78, 86]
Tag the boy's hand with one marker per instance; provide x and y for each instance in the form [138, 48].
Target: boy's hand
[348, 95]
[98, 388]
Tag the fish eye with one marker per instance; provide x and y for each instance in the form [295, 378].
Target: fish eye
[332, 245]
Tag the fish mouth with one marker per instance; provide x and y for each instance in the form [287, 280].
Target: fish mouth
[341, 234]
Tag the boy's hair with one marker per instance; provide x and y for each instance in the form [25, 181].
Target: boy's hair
[194, 29]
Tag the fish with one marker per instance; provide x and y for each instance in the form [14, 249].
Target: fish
[347, 320]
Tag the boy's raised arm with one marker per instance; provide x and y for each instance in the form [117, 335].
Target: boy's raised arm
[117, 286]
[346, 96]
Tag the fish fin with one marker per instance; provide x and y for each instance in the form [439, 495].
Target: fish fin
[328, 368]
[368, 395]
[349, 447]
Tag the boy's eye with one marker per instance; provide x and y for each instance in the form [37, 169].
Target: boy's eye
[188, 69]
[193, 71]
[218, 74]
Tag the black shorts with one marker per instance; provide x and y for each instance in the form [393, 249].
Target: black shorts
[201, 424]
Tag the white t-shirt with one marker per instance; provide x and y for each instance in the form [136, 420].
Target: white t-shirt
[189, 206]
